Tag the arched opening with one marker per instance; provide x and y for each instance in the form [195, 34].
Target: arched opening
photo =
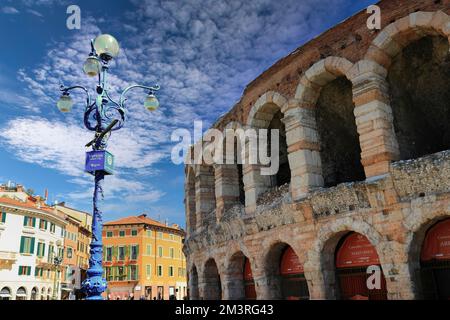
[339, 141]
[5, 294]
[212, 283]
[34, 293]
[43, 294]
[293, 281]
[190, 201]
[419, 83]
[354, 255]
[285, 274]
[435, 262]
[240, 283]
[283, 175]
[21, 294]
[49, 293]
[193, 284]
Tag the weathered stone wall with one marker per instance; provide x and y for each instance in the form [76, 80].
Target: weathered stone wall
[394, 205]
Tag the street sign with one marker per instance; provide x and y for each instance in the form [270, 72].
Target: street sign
[99, 160]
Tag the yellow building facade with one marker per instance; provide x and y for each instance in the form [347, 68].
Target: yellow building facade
[143, 259]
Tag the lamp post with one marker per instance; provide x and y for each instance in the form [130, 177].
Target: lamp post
[57, 261]
[101, 116]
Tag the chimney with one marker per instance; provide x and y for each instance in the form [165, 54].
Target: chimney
[144, 215]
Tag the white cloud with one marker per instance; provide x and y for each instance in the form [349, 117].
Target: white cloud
[9, 10]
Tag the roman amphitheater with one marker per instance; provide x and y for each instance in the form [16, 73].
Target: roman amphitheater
[364, 179]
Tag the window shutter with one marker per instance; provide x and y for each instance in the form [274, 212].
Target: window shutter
[20, 270]
[3, 217]
[34, 221]
[32, 246]
[43, 249]
[22, 243]
[28, 271]
[137, 251]
[25, 220]
[45, 224]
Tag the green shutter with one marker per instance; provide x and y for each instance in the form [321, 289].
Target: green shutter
[20, 270]
[34, 222]
[28, 271]
[3, 217]
[43, 249]
[137, 251]
[25, 220]
[32, 246]
[22, 243]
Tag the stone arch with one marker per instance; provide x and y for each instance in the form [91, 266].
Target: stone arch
[34, 294]
[43, 293]
[418, 224]
[229, 183]
[266, 113]
[212, 285]
[397, 35]
[320, 264]
[234, 269]
[193, 283]
[205, 196]
[271, 264]
[402, 103]
[190, 195]
[324, 104]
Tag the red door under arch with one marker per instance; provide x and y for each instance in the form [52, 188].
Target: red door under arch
[435, 261]
[249, 284]
[353, 257]
[293, 282]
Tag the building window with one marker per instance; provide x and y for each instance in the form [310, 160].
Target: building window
[180, 272]
[51, 251]
[160, 251]
[149, 233]
[160, 235]
[133, 273]
[121, 256]
[43, 224]
[109, 234]
[108, 274]
[121, 273]
[109, 253]
[39, 272]
[29, 222]
[52, 227]
[2, 217]
[148, 270]
[69, 252]
[24, 270]
[149, 250]
[134, 233]
[40, 250]
[160, 271]
[134, 252]
[122, 233]
[171, 236]
[27, 245]
[170, 271]
[172, 253]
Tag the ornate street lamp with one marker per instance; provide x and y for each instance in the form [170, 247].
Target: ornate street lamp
[101, 116]
[57, 261]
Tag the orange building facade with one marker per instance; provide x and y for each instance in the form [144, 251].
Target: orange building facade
[143, 259]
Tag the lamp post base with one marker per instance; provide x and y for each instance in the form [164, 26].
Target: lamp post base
[94, 287]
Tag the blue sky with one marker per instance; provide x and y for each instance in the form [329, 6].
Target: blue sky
[202, 52]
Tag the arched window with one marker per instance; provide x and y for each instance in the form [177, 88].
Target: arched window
[293, 282]
[354, 255]
[435, 262]
[419, 85]
[21, 294]
[5, 294]
[34, 293]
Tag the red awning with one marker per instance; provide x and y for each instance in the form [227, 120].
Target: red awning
[290, 263]
[356, 251]
[437, 242]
